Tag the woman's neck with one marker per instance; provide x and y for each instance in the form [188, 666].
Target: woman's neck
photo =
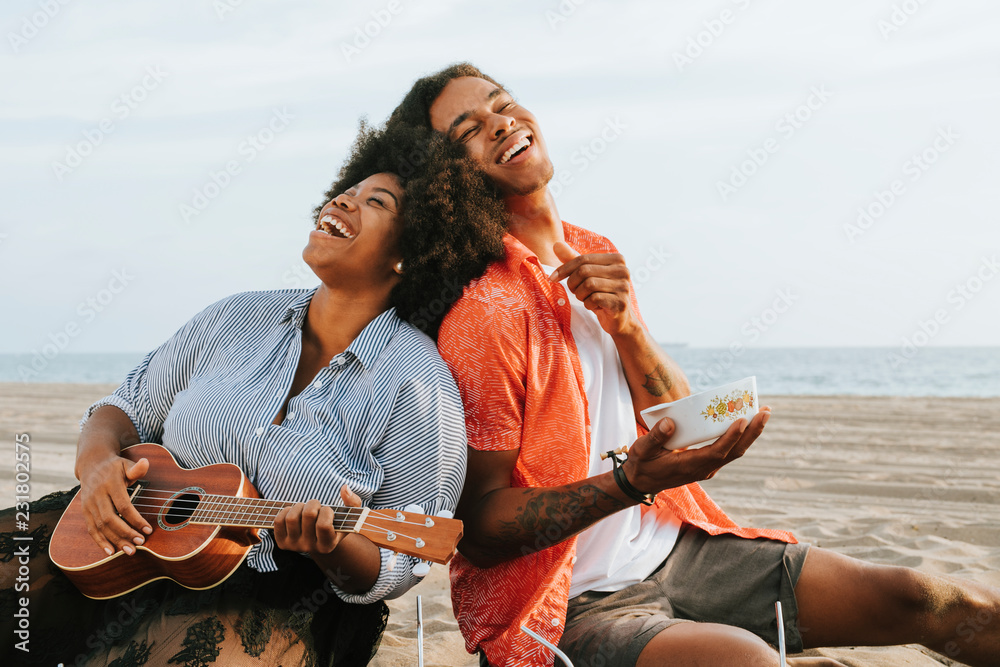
[335, 318]
[534, 221]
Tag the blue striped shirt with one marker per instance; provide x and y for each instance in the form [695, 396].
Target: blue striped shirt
[384, 417]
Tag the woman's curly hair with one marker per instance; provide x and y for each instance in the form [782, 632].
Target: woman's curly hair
[452, 220]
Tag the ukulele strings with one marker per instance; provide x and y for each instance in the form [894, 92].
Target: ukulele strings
[230, 504]
[353, 513]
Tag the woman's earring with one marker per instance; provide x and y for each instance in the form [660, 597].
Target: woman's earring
[399, 267]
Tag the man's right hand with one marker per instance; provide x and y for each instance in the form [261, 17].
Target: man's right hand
[503, 522]
[112, 520]
[651, 467]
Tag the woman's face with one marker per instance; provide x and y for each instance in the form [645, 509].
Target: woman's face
[355, 240]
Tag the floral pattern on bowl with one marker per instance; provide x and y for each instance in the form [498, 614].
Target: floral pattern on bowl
[734, 404]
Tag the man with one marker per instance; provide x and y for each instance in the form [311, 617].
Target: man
[554, 365]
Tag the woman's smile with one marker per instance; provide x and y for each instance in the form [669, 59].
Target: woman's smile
[335, 225]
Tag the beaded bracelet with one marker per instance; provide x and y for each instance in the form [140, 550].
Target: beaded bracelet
[623, 483]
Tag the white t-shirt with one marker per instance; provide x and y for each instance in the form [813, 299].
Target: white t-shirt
[627, 546]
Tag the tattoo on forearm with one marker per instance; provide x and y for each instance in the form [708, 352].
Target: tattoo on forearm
[658, 382]
[549, 517]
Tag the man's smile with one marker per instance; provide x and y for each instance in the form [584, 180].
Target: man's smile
[514, 147]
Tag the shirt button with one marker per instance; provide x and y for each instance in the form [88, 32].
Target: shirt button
[318, 384]
[259, 431]
[339, 361]
[572, 561]
[555, 622]
[589, 429]
[291, 416]
[561, 302]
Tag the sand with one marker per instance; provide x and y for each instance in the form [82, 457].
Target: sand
[905, 481]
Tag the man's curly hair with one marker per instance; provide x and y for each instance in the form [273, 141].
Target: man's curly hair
[452, 220]
[415, 109]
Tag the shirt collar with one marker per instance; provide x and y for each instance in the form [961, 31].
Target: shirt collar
[369, 344]
[582, 240]
[297, 308]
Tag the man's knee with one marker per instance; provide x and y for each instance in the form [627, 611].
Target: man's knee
[922, 600]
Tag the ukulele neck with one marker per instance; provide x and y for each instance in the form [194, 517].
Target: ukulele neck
[260, 513]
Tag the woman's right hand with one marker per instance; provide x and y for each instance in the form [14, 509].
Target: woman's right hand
[112, 520]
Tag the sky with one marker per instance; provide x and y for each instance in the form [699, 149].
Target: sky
[776, 173]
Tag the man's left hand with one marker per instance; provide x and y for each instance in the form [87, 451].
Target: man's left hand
[601, 282]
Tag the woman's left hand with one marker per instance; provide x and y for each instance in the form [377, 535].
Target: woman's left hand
[308, 527]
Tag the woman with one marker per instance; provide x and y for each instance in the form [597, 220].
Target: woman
[327, 396]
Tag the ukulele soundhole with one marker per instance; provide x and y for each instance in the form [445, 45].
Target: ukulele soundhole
[177, 510]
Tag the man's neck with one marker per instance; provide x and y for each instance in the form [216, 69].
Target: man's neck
[534, 221]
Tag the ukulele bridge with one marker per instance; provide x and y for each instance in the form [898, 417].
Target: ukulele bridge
[137, 488]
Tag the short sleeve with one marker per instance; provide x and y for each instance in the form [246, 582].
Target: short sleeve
[485, 345]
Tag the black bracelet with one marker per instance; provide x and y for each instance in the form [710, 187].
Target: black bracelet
[626, 486]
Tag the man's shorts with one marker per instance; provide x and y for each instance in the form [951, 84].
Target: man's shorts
[716, 579]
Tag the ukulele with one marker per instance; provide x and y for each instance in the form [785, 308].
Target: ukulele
[206, 519]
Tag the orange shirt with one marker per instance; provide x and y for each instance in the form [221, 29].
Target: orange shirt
[508, 343]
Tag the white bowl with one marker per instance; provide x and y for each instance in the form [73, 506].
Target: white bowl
[707, 415]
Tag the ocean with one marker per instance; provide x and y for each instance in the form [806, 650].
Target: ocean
[972, 372]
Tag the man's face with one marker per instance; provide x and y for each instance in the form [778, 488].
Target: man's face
[496, 132]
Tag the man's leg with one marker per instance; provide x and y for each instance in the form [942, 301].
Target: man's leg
[846, 602]
[714, 645]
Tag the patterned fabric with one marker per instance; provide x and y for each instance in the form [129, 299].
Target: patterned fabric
[384, 417]
[290, 617]
[509, 345]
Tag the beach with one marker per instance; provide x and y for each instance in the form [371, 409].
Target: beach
[903, 481]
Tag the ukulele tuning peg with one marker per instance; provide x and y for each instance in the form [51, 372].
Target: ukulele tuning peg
[391, 565]
[421, 569]
[445, 514]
